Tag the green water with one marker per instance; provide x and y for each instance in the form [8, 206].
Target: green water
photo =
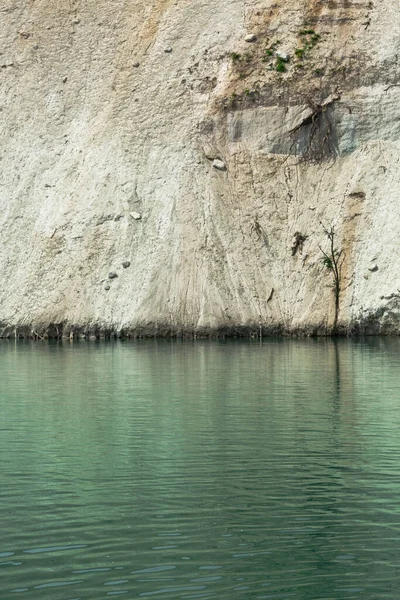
[200, 470]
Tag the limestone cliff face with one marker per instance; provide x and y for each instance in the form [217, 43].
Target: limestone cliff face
[152, 133]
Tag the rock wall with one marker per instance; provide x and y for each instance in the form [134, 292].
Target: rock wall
[169, 167]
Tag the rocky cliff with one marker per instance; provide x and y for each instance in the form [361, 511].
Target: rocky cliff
[175, 167]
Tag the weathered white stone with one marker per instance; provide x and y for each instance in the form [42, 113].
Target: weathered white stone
[250, 37]
[135, 215]
[283, 55]
[219, 164]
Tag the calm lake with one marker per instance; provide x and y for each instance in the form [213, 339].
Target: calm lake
[227, 470]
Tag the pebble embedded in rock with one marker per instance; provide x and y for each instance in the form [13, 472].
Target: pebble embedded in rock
[374, 269]
[112, 275]
[251, 37]
[136, 215]
[219, 164]
[136, 64]
[168, 50]
[126, 264]
[107, 287]
[65, 79]
[283, 56]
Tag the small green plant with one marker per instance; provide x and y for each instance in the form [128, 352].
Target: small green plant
[251, 94]
[318, 72]
[333, 262]
[280, 66]
[327, 262]
[232, 100]
[270, 50]
[309, 39]
[235, 56]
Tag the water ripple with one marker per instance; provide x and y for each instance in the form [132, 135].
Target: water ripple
[228, 471]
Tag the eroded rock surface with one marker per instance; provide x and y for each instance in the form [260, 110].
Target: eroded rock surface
[112, 117]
